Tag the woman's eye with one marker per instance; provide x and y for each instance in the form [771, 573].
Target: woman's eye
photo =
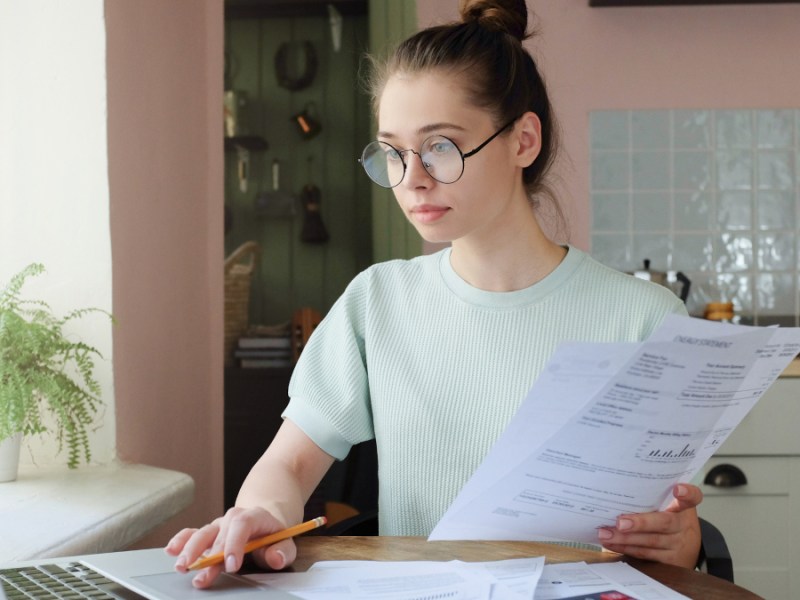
[392, 155]
[441, 147]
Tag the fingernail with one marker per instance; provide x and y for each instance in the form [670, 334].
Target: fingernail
[283, 558]
[181, 562]
[199, 579]
[230, 563]
[624, 524]
[681, 491]
[604, 534]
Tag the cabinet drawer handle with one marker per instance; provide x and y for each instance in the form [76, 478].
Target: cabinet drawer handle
[725, 476]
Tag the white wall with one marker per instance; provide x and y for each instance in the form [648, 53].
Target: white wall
[111, 148]
[54, 199]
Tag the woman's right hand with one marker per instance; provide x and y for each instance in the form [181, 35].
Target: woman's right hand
[281, 481]
[229, 534]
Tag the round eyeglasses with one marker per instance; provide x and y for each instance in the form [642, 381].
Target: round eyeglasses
[441, 157]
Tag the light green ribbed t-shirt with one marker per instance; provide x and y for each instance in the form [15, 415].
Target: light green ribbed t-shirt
[434, 368]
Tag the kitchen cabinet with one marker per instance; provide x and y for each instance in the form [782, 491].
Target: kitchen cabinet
[752, 493]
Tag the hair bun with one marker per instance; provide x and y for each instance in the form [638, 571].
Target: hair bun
[507, 16]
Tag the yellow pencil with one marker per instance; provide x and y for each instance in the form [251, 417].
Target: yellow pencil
[207, 561]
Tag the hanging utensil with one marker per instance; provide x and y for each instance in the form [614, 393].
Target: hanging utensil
[243, 167]
[275, 203]
[314, 231]
[335, 21]
[307, 124]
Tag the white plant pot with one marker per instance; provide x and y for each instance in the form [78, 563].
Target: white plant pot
[9, 457]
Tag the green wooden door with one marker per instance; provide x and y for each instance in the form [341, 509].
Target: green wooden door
[293, 273]
[363, 221]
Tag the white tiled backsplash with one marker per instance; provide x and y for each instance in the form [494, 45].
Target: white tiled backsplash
[712, 193]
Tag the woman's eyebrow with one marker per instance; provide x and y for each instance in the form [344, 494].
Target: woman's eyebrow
[426, 129]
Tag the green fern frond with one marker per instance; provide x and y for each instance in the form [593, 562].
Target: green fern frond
[10, 294]
[42, 371]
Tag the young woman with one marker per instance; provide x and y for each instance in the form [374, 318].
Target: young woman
[432, 356]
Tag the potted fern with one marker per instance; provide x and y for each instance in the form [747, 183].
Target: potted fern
[47, 383]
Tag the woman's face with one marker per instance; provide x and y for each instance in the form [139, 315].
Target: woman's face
[415, 107]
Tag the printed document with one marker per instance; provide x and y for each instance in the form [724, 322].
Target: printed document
[582, 581]
[608, 429]
[514, 579]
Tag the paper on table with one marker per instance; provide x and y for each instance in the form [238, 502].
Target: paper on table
[513, 579]
[520, 575]
[568, 581]
[411, 580]
[517, 574]
[619, 425]
[391, 584]
[634, 582]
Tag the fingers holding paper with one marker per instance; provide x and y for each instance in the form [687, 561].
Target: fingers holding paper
[670, 536]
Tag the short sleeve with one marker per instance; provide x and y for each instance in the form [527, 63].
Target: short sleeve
[329, 389]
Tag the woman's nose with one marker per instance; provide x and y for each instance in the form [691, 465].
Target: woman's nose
[416, 175]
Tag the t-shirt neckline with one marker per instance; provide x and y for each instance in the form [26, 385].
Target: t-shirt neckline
[532, 294]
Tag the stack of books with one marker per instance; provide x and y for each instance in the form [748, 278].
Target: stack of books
[273, 352]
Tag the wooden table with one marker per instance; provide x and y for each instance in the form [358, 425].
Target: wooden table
[686, 581]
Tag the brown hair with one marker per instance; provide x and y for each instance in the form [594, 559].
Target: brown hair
[498, 72]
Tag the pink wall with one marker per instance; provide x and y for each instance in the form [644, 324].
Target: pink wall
[165, 66]
[727, 56]
[166, 177]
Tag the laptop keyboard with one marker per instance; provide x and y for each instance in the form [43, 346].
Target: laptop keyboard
[72, 582]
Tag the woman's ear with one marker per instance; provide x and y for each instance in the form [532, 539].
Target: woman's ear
[528, 133]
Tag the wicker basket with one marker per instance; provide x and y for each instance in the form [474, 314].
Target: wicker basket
[239, 268]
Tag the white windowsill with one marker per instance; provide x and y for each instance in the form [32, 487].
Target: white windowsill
[54, 511]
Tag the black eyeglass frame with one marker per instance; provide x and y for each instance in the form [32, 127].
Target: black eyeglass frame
[401, 153]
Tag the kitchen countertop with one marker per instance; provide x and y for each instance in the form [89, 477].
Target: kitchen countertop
[55, 511]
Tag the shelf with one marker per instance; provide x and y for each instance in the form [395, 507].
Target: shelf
[604, 3]
[261, 9]
[248, 142]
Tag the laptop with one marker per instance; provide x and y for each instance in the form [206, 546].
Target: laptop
[128, 575]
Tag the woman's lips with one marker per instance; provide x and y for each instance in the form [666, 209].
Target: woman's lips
[427, 213]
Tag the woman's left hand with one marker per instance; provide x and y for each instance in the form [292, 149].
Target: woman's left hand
[670, 536]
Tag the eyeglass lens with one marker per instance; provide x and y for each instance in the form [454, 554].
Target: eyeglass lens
[386, 165]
